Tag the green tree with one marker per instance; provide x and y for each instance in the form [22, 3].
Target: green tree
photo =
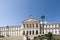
[1, 36]
[49, 35]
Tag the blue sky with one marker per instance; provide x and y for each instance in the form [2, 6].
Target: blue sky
[13, 12]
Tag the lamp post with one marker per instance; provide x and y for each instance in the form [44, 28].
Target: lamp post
[42, 25]
[8, 31]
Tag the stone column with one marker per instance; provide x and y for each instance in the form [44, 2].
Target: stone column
[25, 32]
[31, 32]
[38, 25]
[38, 32]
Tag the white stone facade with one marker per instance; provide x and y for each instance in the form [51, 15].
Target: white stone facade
[10, 30]
[31, 27]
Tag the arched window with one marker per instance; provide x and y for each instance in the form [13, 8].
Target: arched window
[23, 32]
[27, 32]
[33, 32]
[30, 32]
[36, 32]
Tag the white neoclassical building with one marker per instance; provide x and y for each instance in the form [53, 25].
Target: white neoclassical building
[31, 27]
[34, 27]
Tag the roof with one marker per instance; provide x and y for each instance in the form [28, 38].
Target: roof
[51, 23]
[31, 19]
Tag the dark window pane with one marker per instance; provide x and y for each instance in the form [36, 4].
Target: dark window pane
[23, 32]
[33, 25]
[36, 25]
[36, 32]
[27, 32]
[33, 32]
[30, 32]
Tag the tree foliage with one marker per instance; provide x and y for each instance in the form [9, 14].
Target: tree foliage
[1, 36]
[49, 35]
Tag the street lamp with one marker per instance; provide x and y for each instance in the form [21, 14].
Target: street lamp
[42, 25]
[8, 31]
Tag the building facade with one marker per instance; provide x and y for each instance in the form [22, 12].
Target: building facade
[31, 27]
[34, 27]
[10, 31]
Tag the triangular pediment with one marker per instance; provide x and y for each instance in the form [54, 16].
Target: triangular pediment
[30, 20]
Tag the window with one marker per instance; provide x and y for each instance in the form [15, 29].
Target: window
[33, 25]
[36, 25]
[54, 26]
[40, 26]
[30, 32]
[59, 32]
[30, 25]
[48, 26]
[24, 25]
[57, 25]
[51, 26]
[17, 33]
[52, 31]
[36, 32]
[33, 32]
[43, 32]
[23, 32]
[27, 32]
[46, 30]
[40, 31]
[44, 26]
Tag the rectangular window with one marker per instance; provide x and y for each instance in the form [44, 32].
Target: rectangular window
[30, 25]
[24, 25]
[55, 32]
[52, 31]
[33, 25]
[40, 26]
[40, 31]
[36, 25]
[59, 32]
